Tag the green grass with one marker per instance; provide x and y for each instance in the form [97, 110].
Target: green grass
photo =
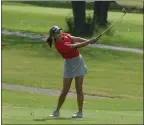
[66, 4]
[40, 19]
[27, 108]
[30, 62]
[136, 3]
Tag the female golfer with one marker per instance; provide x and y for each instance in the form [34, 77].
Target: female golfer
[74, 66]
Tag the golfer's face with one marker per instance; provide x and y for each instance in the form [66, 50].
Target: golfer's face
[57, 35]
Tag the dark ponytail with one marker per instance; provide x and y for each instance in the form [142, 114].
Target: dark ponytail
[49, 40]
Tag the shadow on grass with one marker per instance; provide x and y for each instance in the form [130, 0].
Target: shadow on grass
[53, 118]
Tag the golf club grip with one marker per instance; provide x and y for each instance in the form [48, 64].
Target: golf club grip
[99, 36]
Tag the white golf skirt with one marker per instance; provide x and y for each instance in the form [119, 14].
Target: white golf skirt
[74, 67]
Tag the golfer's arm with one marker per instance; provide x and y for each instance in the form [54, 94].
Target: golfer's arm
[79, 45]
[77, 39]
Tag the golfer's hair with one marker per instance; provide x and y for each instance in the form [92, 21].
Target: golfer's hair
[49, 41]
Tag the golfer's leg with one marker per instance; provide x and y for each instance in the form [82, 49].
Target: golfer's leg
[66, 86]
[79, 90]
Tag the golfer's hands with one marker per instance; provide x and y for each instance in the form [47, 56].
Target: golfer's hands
[93, 40]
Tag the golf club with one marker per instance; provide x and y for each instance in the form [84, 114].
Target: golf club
[124, 11]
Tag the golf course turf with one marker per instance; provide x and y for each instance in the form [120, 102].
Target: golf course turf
[34, 64]
[127, 32]
[115, 75]
[27, 108]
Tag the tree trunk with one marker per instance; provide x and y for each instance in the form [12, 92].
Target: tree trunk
[97, 10]
[100, 12]
[79, 17]
[104, 13]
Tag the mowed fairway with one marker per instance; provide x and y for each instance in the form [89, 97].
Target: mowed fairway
[128, 32]
[116, 75]
[26, 108]
[110, 73]
[30, 62]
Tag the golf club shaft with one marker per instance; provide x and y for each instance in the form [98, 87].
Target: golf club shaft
[110, 26]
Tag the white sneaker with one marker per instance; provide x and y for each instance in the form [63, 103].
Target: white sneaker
[55, 113]
[77, 115]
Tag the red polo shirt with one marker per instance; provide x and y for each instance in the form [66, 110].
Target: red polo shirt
[63, 47]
